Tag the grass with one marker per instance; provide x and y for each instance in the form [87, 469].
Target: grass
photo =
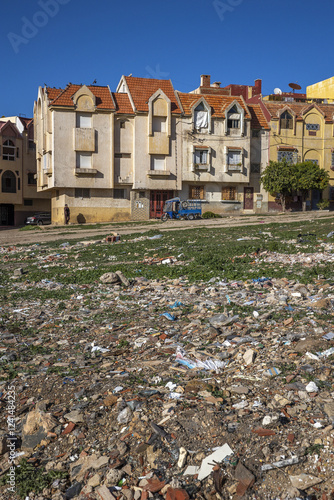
[29, 478]
[199, 254]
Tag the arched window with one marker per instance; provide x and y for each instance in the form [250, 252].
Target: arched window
[286, 120]
[8, 150]
[8, 182]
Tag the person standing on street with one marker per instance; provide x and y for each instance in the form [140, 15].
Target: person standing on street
[66, 214]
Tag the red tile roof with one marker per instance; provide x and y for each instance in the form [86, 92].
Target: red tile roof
[53, 92]
[299, 108]
[102, 94]
[218, 103]
[258, 118]
[123, 104]
[141, 89]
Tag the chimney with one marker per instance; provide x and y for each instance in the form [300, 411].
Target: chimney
[216, 85]
[205, 80]
[257, 86]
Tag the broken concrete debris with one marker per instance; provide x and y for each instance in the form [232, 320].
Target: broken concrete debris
[117, 398]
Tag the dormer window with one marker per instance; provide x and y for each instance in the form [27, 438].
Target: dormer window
[286, 120]
[233, 118]
[201, 118]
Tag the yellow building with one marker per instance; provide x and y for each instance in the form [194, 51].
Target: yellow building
[322, 90]
[18, 193]
[303, 132]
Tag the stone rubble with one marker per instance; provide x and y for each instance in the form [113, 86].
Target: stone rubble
[230, 395]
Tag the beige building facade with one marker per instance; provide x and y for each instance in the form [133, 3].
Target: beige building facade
[114, 156]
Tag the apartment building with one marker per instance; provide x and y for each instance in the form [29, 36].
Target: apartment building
[18, 195]
[300, 131]
[120, 155]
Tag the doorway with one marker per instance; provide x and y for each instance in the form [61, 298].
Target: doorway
[157, 200]
[6, 215]
[248, 198]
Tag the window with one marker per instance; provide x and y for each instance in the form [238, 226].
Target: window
[8, 182]
[286, 120]
[122, 155]
[196, 192]
[31, 179]
[119, 194]
[84, 160]
[201, 117]
[289, 156]
[158, 163]
[229, 193]
[82, 193]
[8, 151]
[159, 124]
[142, 194]
[121, 124]
[27, 203]
[255, 168]
[201, 157]
[84, 120]
[233, 118]
[234, 159]
[312, 126]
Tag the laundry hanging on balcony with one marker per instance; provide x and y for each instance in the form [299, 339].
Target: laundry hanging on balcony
[201, 119]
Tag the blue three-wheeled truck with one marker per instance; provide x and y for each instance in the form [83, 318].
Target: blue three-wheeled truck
[177, 209]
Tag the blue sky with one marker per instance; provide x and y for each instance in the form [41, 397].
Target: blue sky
[236, 41]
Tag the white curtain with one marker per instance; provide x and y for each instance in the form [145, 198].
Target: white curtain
[201, 119]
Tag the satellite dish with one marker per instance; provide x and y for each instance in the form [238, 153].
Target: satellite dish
[277, 91]
[294, 86]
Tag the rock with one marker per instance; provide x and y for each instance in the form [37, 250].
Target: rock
[304, 481]
[110, 278]
[329, 410]
[323, 304]
[249, 357]
[122, 278]
[73, 490]
[74, 416]
[103, 493]
[94, 480]
[239, 389]
[124, 416]
[113, 477]
[36, 426]
[100, 462]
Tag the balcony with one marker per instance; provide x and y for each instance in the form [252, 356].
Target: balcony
[200, 167]
[85, 171]
[84, 139]
[158, 173]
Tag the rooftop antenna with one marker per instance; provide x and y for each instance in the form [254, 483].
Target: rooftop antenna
[95, 81]
[294, 86]
[277, 91]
